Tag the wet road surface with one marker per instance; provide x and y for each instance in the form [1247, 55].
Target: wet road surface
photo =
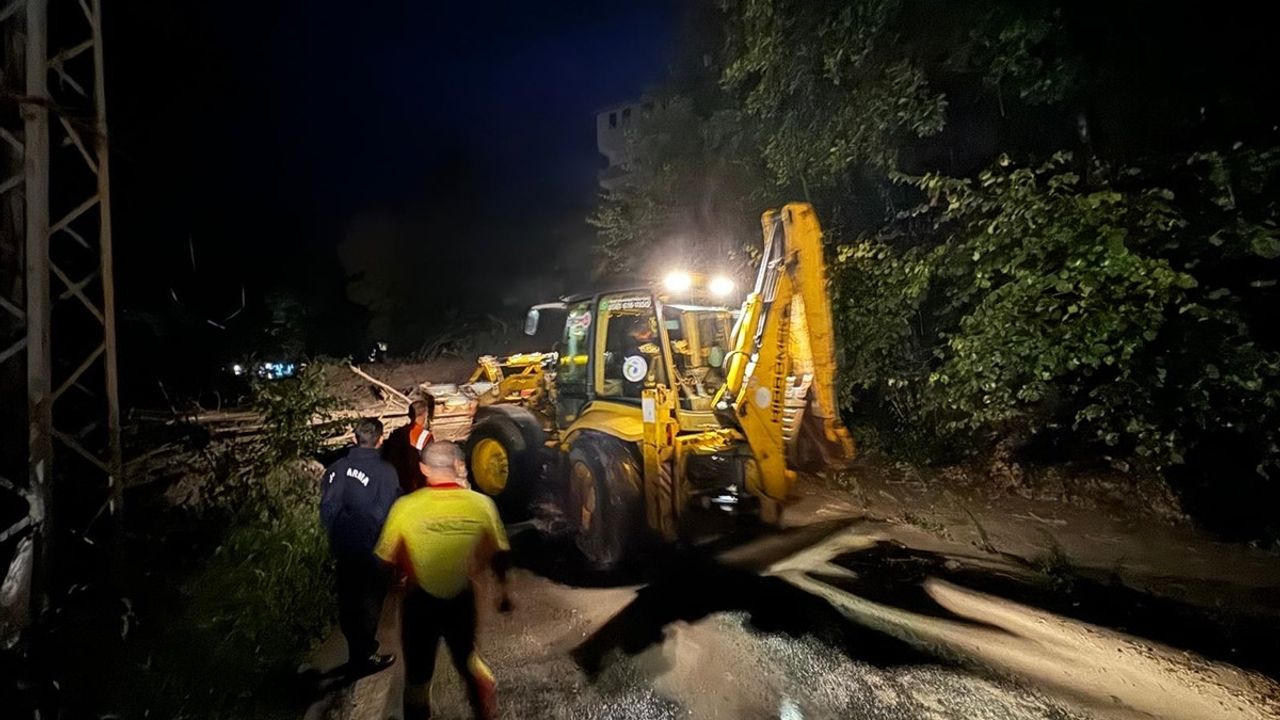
[837, 620]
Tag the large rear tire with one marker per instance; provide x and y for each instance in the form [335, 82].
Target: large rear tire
[501, 465]
[604, 498]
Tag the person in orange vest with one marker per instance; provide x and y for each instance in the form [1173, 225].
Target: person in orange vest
[420, 430]
[405, 443]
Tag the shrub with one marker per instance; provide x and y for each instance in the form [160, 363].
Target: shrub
[1028, 298]
[297, 414]
[267, 587]
[266, 593]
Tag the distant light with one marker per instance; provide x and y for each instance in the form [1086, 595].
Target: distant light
[237, 369]
[277, 370]
[678, 281]
[721, 286]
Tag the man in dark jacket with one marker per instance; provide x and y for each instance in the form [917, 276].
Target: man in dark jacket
[357, 493]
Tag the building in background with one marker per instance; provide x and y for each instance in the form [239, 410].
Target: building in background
[693, 71]
[611, 139]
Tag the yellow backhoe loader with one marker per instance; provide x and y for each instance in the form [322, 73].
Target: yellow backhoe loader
[659, 400]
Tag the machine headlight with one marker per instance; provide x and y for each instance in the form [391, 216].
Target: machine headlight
[678, 281]
[721, 286]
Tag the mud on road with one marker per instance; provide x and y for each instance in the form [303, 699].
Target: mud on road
[840, 619]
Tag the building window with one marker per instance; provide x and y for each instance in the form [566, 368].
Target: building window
[626, 116]
[613, 119]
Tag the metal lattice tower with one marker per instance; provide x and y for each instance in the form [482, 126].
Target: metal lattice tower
[61, 483]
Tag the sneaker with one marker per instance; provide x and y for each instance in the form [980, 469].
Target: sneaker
[373, 664]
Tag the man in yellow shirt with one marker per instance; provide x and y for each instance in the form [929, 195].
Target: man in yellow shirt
[442, 535]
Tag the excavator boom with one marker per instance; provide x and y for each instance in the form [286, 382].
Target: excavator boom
[649, 417]
[782, 367]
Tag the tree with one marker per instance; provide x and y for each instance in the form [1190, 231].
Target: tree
[692, 190]
[1043, 217]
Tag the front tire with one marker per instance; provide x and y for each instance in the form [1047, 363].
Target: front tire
[604, 498]
[500, 466]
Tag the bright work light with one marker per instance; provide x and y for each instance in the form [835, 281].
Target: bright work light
[721, 286]
[678, 281]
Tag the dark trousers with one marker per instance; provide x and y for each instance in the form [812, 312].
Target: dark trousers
[428, 619]
[362, 585]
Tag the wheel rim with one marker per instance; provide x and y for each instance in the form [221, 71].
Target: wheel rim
[490, 465]
[584, 486]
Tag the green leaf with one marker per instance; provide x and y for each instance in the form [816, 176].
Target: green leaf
[1265, 245]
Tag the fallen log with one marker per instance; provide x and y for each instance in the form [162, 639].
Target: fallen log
[214, 417]
[394, 392]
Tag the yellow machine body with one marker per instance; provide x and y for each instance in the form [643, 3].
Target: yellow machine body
[700, 380]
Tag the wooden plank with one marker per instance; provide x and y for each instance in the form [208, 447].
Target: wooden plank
[79, 209]
[70, 53]
[79, 450]
[396, 393]
[77, 237]
[14, 142]
[75, 140]
[13, 310]
[78, 286]
[76, 291]
[7, 484]
[107, 263]
[13, 349]
[67, 80]
[35, 117]
[75, 375]
[16, 528]
[11, 9]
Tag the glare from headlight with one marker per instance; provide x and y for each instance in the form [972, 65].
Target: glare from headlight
[678, 281]
[721, 286]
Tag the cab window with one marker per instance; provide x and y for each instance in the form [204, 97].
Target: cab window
[571, 374]
[630, 344]
[699, 345]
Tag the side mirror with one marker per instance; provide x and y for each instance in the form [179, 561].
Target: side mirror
[531, 322]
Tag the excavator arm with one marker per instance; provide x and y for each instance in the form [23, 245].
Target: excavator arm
[784, 343]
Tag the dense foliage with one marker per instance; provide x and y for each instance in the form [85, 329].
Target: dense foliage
[1047, 223]
[299, 413]
[275, 561]
[1023, 300]
[276, 554]
[231, 575]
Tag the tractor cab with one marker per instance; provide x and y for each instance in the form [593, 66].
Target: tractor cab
[616, 344]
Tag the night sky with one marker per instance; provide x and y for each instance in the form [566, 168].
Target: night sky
[256, 136]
